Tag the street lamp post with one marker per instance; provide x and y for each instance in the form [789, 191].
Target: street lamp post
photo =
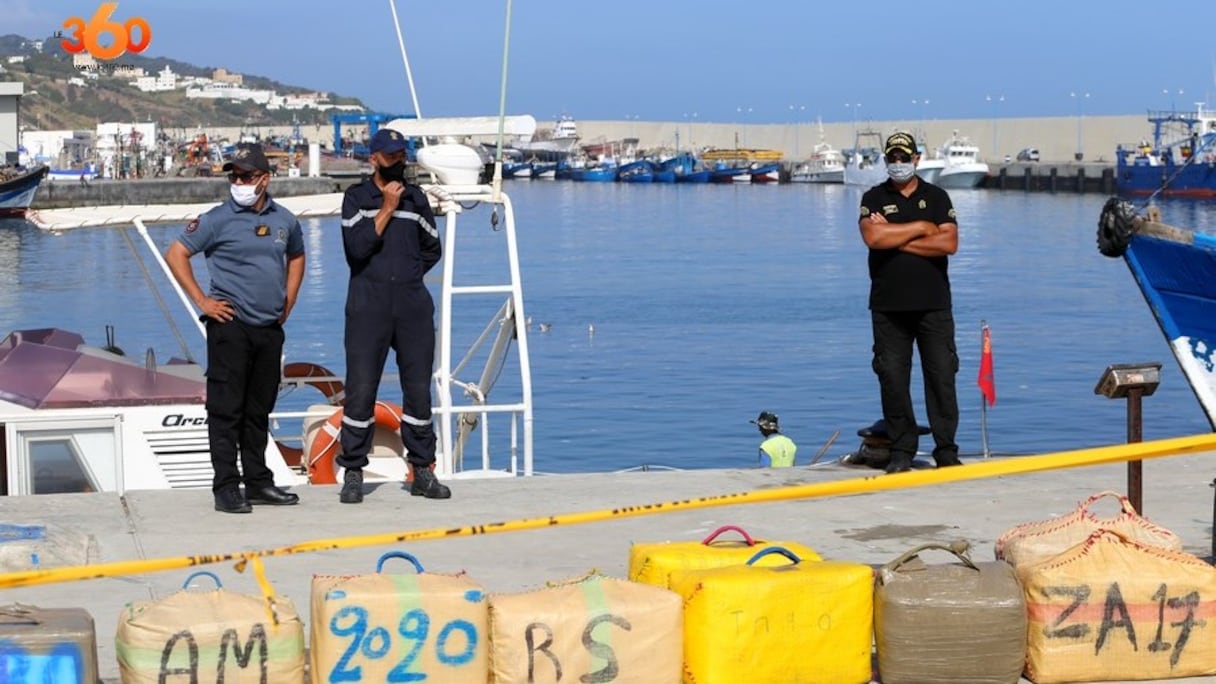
[743, 112]
[691, 119]
[1079, 97]
[924, 106]
[996, 101]
[853, 115]
[1167, 91]
[796, 110]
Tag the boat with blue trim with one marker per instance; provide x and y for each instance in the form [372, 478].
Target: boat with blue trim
[1180, 160]
[17, 188]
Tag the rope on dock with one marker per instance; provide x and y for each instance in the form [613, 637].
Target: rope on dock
[1177, 446]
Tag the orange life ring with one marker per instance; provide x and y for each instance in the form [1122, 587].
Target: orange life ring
[333, 390]
[321, 466]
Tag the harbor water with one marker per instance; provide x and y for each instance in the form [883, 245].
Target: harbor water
[666, 317]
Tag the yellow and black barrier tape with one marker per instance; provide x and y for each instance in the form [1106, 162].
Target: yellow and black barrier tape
[1177, 446]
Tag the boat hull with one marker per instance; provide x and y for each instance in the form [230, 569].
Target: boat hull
[836, 176]
[17, 194]
[1194, 180]
[960, 179]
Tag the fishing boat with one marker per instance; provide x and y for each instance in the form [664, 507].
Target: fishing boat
[18, 187]
[962, 168]
[1180, 160]
[864, 164]
[825, 165]
[1175, 269]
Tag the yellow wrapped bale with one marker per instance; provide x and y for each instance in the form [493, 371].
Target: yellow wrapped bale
[595, 629]
[652, 563]
[399, 627]
[1111, 608]
[211, 637]
[809, 623]
[1034, 541]
[961, 623]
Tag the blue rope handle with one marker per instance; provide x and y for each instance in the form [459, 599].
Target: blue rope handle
[775, 549]
[403, 556]
[203, 573]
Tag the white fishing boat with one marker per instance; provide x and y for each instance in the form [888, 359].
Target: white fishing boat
[962, 168]
[825, 165]
[864, 165]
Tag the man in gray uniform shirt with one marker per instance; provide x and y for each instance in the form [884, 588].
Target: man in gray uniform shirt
[255, 258]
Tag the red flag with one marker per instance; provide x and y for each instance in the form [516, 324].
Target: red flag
[987, 380]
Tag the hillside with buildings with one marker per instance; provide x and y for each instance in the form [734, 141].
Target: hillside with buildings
[64, 91]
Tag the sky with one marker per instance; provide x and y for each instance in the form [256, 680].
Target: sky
[763, 61]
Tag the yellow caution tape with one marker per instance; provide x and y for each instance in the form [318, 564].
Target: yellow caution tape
[1177, 446]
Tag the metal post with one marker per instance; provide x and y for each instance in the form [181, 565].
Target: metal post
[1214, 522]
[1135, 492]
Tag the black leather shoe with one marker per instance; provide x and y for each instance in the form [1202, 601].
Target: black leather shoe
[352, 486]
[426, 484]
[271, 495]
[900, 463]
[947, 459]
[229, 500]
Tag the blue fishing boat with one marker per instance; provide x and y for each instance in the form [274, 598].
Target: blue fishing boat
[1175, 269]
[641, 171]
[17, 189]
[1179, 161]
[765, 172]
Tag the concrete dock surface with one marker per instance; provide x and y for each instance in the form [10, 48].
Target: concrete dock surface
[872, 528]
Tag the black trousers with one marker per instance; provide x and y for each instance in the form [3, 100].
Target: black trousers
[933, 333]
[243, 369]
[405, 324]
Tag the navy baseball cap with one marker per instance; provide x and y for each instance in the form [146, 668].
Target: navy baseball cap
[248, 157]
[766, 420]
[388, 141]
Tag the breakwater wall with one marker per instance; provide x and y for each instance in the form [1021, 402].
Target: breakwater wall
[61, 194]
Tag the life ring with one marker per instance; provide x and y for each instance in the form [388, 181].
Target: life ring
[321, 466]
[333, 390]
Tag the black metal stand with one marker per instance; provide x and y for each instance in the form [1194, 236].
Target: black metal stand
[1135, 472]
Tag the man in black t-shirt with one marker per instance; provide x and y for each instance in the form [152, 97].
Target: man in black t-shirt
[910, 228]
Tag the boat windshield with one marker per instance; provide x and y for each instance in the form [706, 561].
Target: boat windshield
[52, 368]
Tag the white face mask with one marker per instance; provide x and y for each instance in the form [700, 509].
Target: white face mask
[901, 173]
[244, 195]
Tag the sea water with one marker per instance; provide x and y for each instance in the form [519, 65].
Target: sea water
[672, 315]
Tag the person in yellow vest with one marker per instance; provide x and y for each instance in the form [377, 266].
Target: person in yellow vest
[776, 447]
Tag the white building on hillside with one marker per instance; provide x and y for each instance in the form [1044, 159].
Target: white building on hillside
[229, 91]
[165, 80]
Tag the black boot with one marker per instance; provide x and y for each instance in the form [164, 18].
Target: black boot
[900, 462]
[352, 486]
[425, 484]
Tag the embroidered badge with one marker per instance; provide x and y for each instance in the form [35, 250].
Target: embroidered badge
[865, 211]
[262, 230]
[192, 226]
[890, 209]
[920, 204]
[951, 212]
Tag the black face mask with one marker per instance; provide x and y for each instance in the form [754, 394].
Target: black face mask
[394, 172]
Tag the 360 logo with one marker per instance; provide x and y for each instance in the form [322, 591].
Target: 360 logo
[87, 36]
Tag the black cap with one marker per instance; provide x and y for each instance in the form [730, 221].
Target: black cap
[766, 420]
[248, 157]
[900, 142]
[388, 141]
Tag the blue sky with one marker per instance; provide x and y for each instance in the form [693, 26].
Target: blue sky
[762, 61]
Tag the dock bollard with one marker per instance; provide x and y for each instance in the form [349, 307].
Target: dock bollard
[1132, 381]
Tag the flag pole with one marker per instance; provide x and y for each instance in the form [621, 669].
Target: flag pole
[983, 400]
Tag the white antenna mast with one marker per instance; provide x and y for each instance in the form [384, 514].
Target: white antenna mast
[409, 76]
[502, 106]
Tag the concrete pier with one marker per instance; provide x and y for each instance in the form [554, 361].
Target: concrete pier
[61, 194]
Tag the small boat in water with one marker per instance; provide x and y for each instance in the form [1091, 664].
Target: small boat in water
[864, 164]
[1179, 161]
[825, 165]
[963, 168]
[1175, 269]
[18, 187]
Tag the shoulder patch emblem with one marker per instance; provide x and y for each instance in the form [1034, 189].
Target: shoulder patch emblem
[865, 211]
[920, 204]
[951, 212]
[192, 226]
[262, 230]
